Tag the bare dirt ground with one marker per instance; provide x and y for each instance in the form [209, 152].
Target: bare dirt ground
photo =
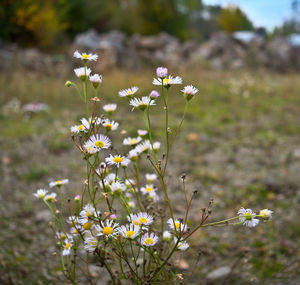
[239, 145]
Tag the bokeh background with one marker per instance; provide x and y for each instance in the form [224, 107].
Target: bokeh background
[239, 143]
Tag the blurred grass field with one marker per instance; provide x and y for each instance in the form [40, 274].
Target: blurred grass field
[239, 145]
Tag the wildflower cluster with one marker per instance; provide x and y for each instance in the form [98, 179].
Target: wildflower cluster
[122, 215]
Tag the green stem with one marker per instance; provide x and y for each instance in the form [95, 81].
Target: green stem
[180, 124]
[85, 92]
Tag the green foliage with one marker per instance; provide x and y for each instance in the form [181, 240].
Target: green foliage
[30, 21]
[233, 19]
[34, 173]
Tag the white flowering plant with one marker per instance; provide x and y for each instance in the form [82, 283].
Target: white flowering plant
[123, 219]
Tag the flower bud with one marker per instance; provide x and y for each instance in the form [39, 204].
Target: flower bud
[154, 94]
[77, 198]
[68, 83]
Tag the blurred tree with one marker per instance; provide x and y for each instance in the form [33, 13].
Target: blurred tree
[232, 19]
[292, 25]
[30, 21]
[42, 22]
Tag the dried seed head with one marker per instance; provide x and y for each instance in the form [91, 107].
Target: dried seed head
[95, 99]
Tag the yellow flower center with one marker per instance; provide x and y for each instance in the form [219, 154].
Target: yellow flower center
[99, 144]
[166, 81]
[129, 92]
[118, 159]
[129, 234]
[75, 231]
[136, 223]
[84, 55]
[248, 216]
[177, 225]
[107, 230]
[149, 189]
[67, 246]
[149, 241]
[143, 220]
[80, 128]
[132, 141]
[108, 126]
[63, 236]
[58, 182]
[87, 226]
[87, 214]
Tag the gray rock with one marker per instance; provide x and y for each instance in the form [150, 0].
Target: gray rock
[43, 215]
[218, 273]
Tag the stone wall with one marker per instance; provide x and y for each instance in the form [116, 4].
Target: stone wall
[117, 50]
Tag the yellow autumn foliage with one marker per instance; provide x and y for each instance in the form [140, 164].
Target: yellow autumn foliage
[40, 19]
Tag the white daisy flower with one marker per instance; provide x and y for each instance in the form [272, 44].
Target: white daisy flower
[62, 235]
[110, 125]
[143, 147]
[141, 104]
[98, 142]
[178, 225]
[131, 141]
[141, 218]
[167, 82]
[266, 214]
[67, 247]
[85, 56]
[151, 177]
[182, 245]
[133, 155]
[92, 121]
[167, 235]
[96, 79]
[142, 133]
[77, 129]
[117, 160]
[148, 189]
[117, 187]
[128, 92]
[131, 204]
[110, 178]
[58, 183]
[90, 244]
[189, 91]
[73, 220]
[107, 229]
[74, 231]
[161, 72]
[90, 149]
[153, 196]
[87, 211]
[50, 197]
[130, 231]
[82, 73]
[149, 239]
[156, 146]
[247, 217]
[110, 108]
[129, 183]
[40, 193]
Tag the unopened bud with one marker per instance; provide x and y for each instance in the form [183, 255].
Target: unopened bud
[68, 83]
